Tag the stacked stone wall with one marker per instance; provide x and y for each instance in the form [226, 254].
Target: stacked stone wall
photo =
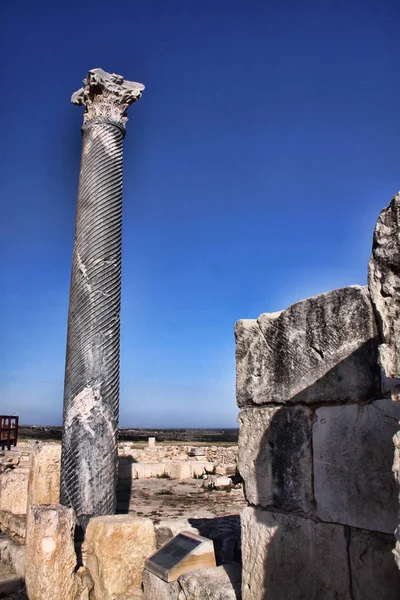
[316, 453]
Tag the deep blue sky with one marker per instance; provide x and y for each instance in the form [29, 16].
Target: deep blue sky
[255, 166]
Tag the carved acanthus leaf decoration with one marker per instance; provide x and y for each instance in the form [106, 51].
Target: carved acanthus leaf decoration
[106, 97]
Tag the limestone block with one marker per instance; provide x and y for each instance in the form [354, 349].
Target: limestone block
[197, 469]
[292, 558]
[275, 458]
[44, 474]
[373, 568]
[222, 482]
[219, 583]
[196, 451]
[178, 470]
[14, 491]
[384, 285]
[116, 547]
[50, 553]
[353, 454]
[155, 588]
[143, 470]
[321, 349]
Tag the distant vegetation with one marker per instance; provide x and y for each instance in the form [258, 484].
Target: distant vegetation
[208, 436]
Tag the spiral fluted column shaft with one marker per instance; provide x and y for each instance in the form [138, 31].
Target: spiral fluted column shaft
[91, 389]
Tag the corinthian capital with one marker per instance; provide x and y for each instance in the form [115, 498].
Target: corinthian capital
[106, 97]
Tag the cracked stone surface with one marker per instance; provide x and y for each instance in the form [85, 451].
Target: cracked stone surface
[353, 455]
[323, 349]
[275, 458]
[384, 285]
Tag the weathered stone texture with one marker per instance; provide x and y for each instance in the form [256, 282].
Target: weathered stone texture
[353, 455]
[14, 491]
[13, 555]
[116, 547]
[155, 588]
[219, 583]
[292, 558]
[373, 568]
[384, 285]
[321, 349]
[13, 523]
[275, 456]
[44, 474]
[396, 470]
[50, 553]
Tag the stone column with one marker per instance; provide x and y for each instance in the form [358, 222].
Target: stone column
[91, 389]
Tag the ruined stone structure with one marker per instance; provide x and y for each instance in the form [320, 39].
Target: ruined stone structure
[91, 393]
[315, 444]
[384, 285]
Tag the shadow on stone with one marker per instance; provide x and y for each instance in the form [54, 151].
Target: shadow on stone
[225, 533]
[124, 483]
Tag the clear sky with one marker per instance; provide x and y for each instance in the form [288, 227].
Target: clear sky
[255, 166]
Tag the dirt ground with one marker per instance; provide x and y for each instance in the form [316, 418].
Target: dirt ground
[171, 498]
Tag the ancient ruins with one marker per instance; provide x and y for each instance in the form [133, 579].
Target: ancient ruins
[314, 387]
[305, 507]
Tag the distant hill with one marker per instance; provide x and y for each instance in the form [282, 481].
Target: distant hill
[40, 432]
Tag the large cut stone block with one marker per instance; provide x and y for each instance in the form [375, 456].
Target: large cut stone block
[14, 491]
[373, 568]
[275, 456]
[292, 558]
[44, 474]
[116, 547]
[321, 349]
[384, 285]
[353, 455]
[50, 553]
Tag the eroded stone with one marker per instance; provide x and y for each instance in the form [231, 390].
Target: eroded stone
[44, 474]
[384, 285]
[14, 491]
[321, 349]
[50, 553]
